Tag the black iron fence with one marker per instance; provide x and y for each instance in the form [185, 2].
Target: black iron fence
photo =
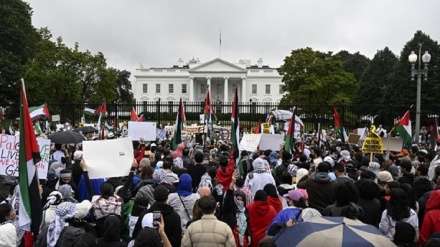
[353, 116]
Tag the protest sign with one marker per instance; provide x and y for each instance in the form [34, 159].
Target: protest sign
[392, 144]
[9, 156]
[202, 118]
[147, 130]
[372, 143]
[108, 158]
[250, 142]
[353, 138]
[269, 141]
[56, 118]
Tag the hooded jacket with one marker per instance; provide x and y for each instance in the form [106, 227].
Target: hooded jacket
[171, 220]
[407, 178]
[320, 190]
[431, 222]
[111, 236]
[261, 214]
[224, 175]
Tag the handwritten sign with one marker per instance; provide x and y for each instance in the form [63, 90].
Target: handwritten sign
[372, 143]
[9, 156]
[250, 142]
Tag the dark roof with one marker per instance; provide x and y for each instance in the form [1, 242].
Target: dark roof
[256, 67]
[174, 67]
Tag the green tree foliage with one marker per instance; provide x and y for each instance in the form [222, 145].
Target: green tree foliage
[314, 77]
[355, 63]
[401, 89]
[123, 86]
[17, 38]
[375, 78]
[58, 73]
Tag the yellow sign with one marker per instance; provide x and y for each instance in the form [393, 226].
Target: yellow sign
[266, 128]
[372, 143]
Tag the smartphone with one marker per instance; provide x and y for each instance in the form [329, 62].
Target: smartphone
[156, 218]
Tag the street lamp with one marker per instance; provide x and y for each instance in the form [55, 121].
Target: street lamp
[412, 58]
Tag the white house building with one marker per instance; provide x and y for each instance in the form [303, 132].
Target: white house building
[255, 83]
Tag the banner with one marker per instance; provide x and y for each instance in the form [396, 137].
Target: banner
[9, 155]
[273, 142]
[250, 142]
[147, 130]
[108, 158]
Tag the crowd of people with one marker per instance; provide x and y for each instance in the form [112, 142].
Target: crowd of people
[199, 196]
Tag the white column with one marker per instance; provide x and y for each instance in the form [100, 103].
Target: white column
[225, 90]
[191, 89]
[208, 83]
[243, 90]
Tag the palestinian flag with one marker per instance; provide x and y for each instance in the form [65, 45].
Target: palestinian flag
[133, 115]
[30, 209]
[102, 109]
[235, 128]
[89, 111]
[258, 127]
[289, 144]
[37, 127]
[39, 110]
[208, 116]
[403, 127]
[178, 127]
[339, 128]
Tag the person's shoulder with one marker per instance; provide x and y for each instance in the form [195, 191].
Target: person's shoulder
[8, 227]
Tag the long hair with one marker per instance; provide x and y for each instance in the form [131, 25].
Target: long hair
[398, 207]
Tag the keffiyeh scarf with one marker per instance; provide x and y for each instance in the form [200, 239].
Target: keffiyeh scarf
[104, 207]
[160, 176]
[65, 210]
[241, 220]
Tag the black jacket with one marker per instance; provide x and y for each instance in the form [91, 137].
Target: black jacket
[173, 228]
[320, 190]
[230, 210]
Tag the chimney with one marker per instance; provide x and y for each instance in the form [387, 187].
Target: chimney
[260, 63]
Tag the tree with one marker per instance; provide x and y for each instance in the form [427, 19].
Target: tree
[401, 89]
[17, 37]
[354, 63]
[123, 86]
[314, 77]
[374, 80]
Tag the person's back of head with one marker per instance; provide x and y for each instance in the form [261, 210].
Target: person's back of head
[323, 167]
[422, 170]
[212, 172]
[148, 237]
[223, 161]
[147, 172]
[198, 157]
[166, 152]
[240, 182]
[266, 242]
[345, 193]
[58, 146]
[267, 152]
[168, 158]
[286, 178]
[224, 148]
[367, 174]
[431, 155]
[286, 156]
[317, 152]
[338, 167]
[405, 163]
[167, 165]
[207, 204]
[368, 189]
[157, 156]
[107, 190]
[302, 158]
[5, 210]
[185, 152]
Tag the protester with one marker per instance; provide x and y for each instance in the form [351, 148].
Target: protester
[369, 202]
[8, 232]
[259, 177]
[208, 231]
[261, 214]
[272, 197]
[112, 230]
[196, 171]
[431, 221]
[346, 195]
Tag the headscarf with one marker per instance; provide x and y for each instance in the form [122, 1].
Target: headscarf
[139, 206]
[54, 198]
[147, 220]
[185, 185]
[160, 176]
[241, 216]
[112, 227]
[178, 162]
[67, 193]
[65, 210]
[273, 157]
[259, 166]
[16, 201]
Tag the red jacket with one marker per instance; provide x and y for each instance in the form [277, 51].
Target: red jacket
[225, 177]
[261, 214]
[431, 222]
[275, 202]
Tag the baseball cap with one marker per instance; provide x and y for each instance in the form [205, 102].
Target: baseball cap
[294, 195]
[161, 193]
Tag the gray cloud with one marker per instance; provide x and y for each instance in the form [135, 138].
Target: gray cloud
[157, 33]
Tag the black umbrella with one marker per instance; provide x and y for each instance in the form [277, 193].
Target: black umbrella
[86, 129]
[64, 137]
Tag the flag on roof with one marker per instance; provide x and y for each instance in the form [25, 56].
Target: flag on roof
[39, 110]
[339, 128]
[30, 209]
[403, 127]
[178, 127]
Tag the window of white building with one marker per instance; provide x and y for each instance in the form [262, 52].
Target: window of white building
[183, 88]
[170, 88]
[267, 88]
[281, 90]
[203, 89]
[145, 88]
[157, 88]
[254, 88]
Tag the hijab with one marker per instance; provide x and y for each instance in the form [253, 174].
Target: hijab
[67, 193]
[185, 185]
[64, 211]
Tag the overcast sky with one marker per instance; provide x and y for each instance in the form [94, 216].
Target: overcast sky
[157, 33]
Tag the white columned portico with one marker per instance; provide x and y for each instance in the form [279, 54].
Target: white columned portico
[191, 89]
[208, 83]
[225, 90]
[243, 89]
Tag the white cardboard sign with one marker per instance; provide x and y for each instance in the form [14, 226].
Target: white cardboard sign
[147, 130]
[56, 118]
[392, 144]
[250, 142]
[9, 156]
[269, 141]
[108, 158]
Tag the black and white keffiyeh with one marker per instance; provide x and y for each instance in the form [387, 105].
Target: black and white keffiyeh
[54, 198]
[65, 210]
